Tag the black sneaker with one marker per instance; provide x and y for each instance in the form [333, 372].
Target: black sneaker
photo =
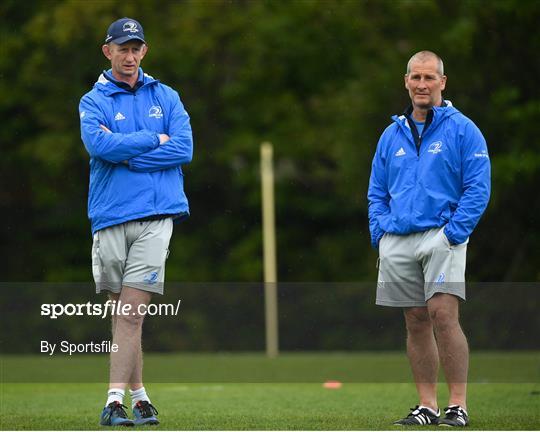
[114, 414]
[145, 413]
[420, 415]
[455, 417]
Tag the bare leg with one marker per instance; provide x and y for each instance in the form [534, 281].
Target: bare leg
[423, 354]
[113, 297]
[452, 344]
[135, 381]
[126, 364]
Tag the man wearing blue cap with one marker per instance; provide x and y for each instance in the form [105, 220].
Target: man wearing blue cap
[138, 136]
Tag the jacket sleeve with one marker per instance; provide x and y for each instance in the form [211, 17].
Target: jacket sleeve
[175, 152]
[111, 147]
[378, 196]
[476, 186]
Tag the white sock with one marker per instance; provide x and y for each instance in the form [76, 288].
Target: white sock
[138, 395]
[115, 395]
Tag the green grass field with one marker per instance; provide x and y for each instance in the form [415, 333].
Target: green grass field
[288, 392]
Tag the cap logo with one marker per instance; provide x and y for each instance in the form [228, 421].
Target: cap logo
[131, 27]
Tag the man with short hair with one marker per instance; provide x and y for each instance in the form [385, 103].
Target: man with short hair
[429, 186]
[138, 136]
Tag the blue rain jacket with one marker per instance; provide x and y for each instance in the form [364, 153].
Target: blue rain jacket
[441, 178]
[132, 176]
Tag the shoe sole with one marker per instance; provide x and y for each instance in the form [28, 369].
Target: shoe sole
[433, 423]
[148, 423]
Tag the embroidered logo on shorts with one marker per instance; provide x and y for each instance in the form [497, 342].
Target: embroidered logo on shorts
[441, 278]
[151, 278]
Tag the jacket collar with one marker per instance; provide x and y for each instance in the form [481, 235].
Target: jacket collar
[408, 111]
[107, 83]
[433, 116]
[123, 85]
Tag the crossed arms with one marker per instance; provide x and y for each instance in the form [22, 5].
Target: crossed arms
[141, 151]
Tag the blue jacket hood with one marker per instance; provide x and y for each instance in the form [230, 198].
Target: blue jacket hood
[439, 113]
[107, 84]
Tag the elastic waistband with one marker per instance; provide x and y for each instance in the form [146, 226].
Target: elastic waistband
[153, 217]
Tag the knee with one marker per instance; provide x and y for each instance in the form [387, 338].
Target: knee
[417, 320]
[443, 319]
[129, 320]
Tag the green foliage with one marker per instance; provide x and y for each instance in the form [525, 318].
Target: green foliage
[319, 79]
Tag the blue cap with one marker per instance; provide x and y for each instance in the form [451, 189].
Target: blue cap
[124, 30]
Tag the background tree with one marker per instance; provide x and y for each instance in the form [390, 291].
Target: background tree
[319, 79]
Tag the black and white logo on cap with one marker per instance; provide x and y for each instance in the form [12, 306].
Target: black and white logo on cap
[131, 27]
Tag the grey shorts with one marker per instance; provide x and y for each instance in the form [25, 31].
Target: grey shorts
[131, 254]
[414, 267]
